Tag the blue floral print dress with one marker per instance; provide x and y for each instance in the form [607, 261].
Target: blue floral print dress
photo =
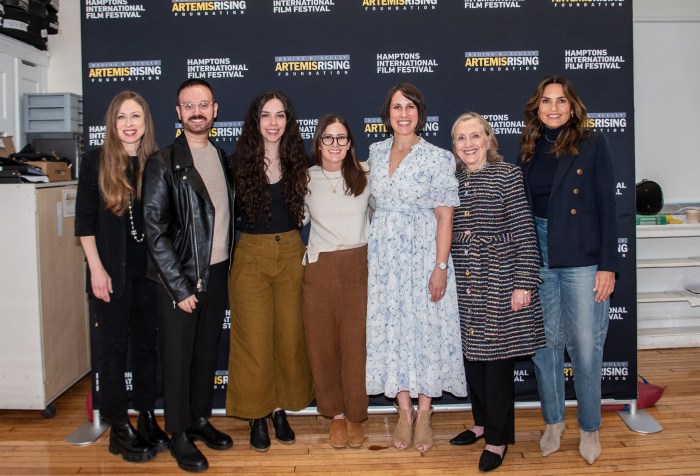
[413, 344]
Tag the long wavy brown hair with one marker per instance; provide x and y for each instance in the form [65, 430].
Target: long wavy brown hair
[249, 159]
[115, 175]
[572, 131]
[354, 177]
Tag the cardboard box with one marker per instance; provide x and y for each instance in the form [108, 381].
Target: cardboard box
[56, 171]
[7, 146]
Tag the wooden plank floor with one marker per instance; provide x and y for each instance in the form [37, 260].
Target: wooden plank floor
[30, 444]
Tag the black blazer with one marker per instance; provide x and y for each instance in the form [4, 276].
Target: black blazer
[92, 218]
[582, 220]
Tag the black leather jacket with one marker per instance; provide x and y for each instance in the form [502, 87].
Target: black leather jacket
[179, 219]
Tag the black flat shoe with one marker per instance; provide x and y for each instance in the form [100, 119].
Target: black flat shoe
[147, 426]
[259, 437]
[124, 440]
[283, 432]
[186, 454]
[201, 429]
[465, 438]
[490, 460]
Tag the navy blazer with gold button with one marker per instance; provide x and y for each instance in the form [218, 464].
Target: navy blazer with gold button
[581, 219]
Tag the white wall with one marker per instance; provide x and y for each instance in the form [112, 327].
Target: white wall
[667, 96]
[666, 74]
[65, 64]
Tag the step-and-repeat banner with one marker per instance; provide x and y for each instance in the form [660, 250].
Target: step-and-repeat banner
[341, 56]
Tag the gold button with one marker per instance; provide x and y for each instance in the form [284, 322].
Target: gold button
[177, 167]
[576, 191]
[573, 211]
[471, 331]
[468, 273]
[579, 171]
[184, 177]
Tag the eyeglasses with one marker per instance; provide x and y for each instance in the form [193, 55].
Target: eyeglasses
[202, 105]
[341, 140]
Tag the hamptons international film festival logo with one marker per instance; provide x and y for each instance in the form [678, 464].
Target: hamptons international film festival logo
[220, 132]
[302, 6]
[609, 371]
[220, 379]
[215, 68]
[483, 5]
[502, 124]
[587, 3]
[501, 61]
[113, 9]
[190, 8]
[312, 65]
[398, 5]
[404, 63]
[617, 313]
[374, 127]
[592, 59]
[114, 71]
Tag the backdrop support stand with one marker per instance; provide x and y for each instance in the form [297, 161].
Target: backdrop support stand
[88, 432]
[639, 420]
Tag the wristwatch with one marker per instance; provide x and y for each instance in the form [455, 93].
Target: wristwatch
[441, 265]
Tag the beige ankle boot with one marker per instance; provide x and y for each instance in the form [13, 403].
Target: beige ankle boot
[589, 447]
[403, 433]
[551, 438]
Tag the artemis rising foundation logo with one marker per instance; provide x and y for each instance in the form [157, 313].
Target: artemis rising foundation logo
[189, 8]
[113, 71]
[312, 65]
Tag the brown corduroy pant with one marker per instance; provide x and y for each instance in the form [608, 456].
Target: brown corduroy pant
[268, 363]
[335, 312]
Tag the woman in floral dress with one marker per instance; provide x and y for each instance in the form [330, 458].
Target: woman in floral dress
[413, 340]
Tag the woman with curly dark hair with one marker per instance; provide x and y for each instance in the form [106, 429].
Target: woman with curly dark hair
[268, 363]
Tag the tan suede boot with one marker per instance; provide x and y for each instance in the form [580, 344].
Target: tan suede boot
[403, 433]
[338, 434]
[589, 447]
[551, 438]
[423, 438]
[356, 434]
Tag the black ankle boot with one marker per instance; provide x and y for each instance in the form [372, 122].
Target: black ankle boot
[124, 440]
[187, 454]
[201, 429]
[147, 426]
[283, 432]
[259, 437]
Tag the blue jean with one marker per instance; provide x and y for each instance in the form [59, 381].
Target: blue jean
[575, 321]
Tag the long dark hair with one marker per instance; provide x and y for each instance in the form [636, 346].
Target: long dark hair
[249, 159]
[572, 131]
[113, 181]
[354, 177]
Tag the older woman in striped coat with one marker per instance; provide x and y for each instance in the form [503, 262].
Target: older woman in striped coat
[496, 260]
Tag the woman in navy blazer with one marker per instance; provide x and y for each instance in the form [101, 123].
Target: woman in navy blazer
[570, 185]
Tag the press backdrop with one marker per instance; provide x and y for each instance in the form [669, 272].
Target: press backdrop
[342, 56]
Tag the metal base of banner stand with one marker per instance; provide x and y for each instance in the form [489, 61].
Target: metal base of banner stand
[639, 420]
[89, 432]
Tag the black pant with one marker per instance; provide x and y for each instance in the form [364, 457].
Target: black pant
[492, 393]
[129, 321]
[189, 348]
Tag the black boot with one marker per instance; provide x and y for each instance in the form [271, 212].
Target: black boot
[147, 426]
[201, 429]
[187, 454]
[124, 440]
[259, 438]
[283, 432]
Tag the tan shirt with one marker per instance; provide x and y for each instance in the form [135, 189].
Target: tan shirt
[207, 163]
